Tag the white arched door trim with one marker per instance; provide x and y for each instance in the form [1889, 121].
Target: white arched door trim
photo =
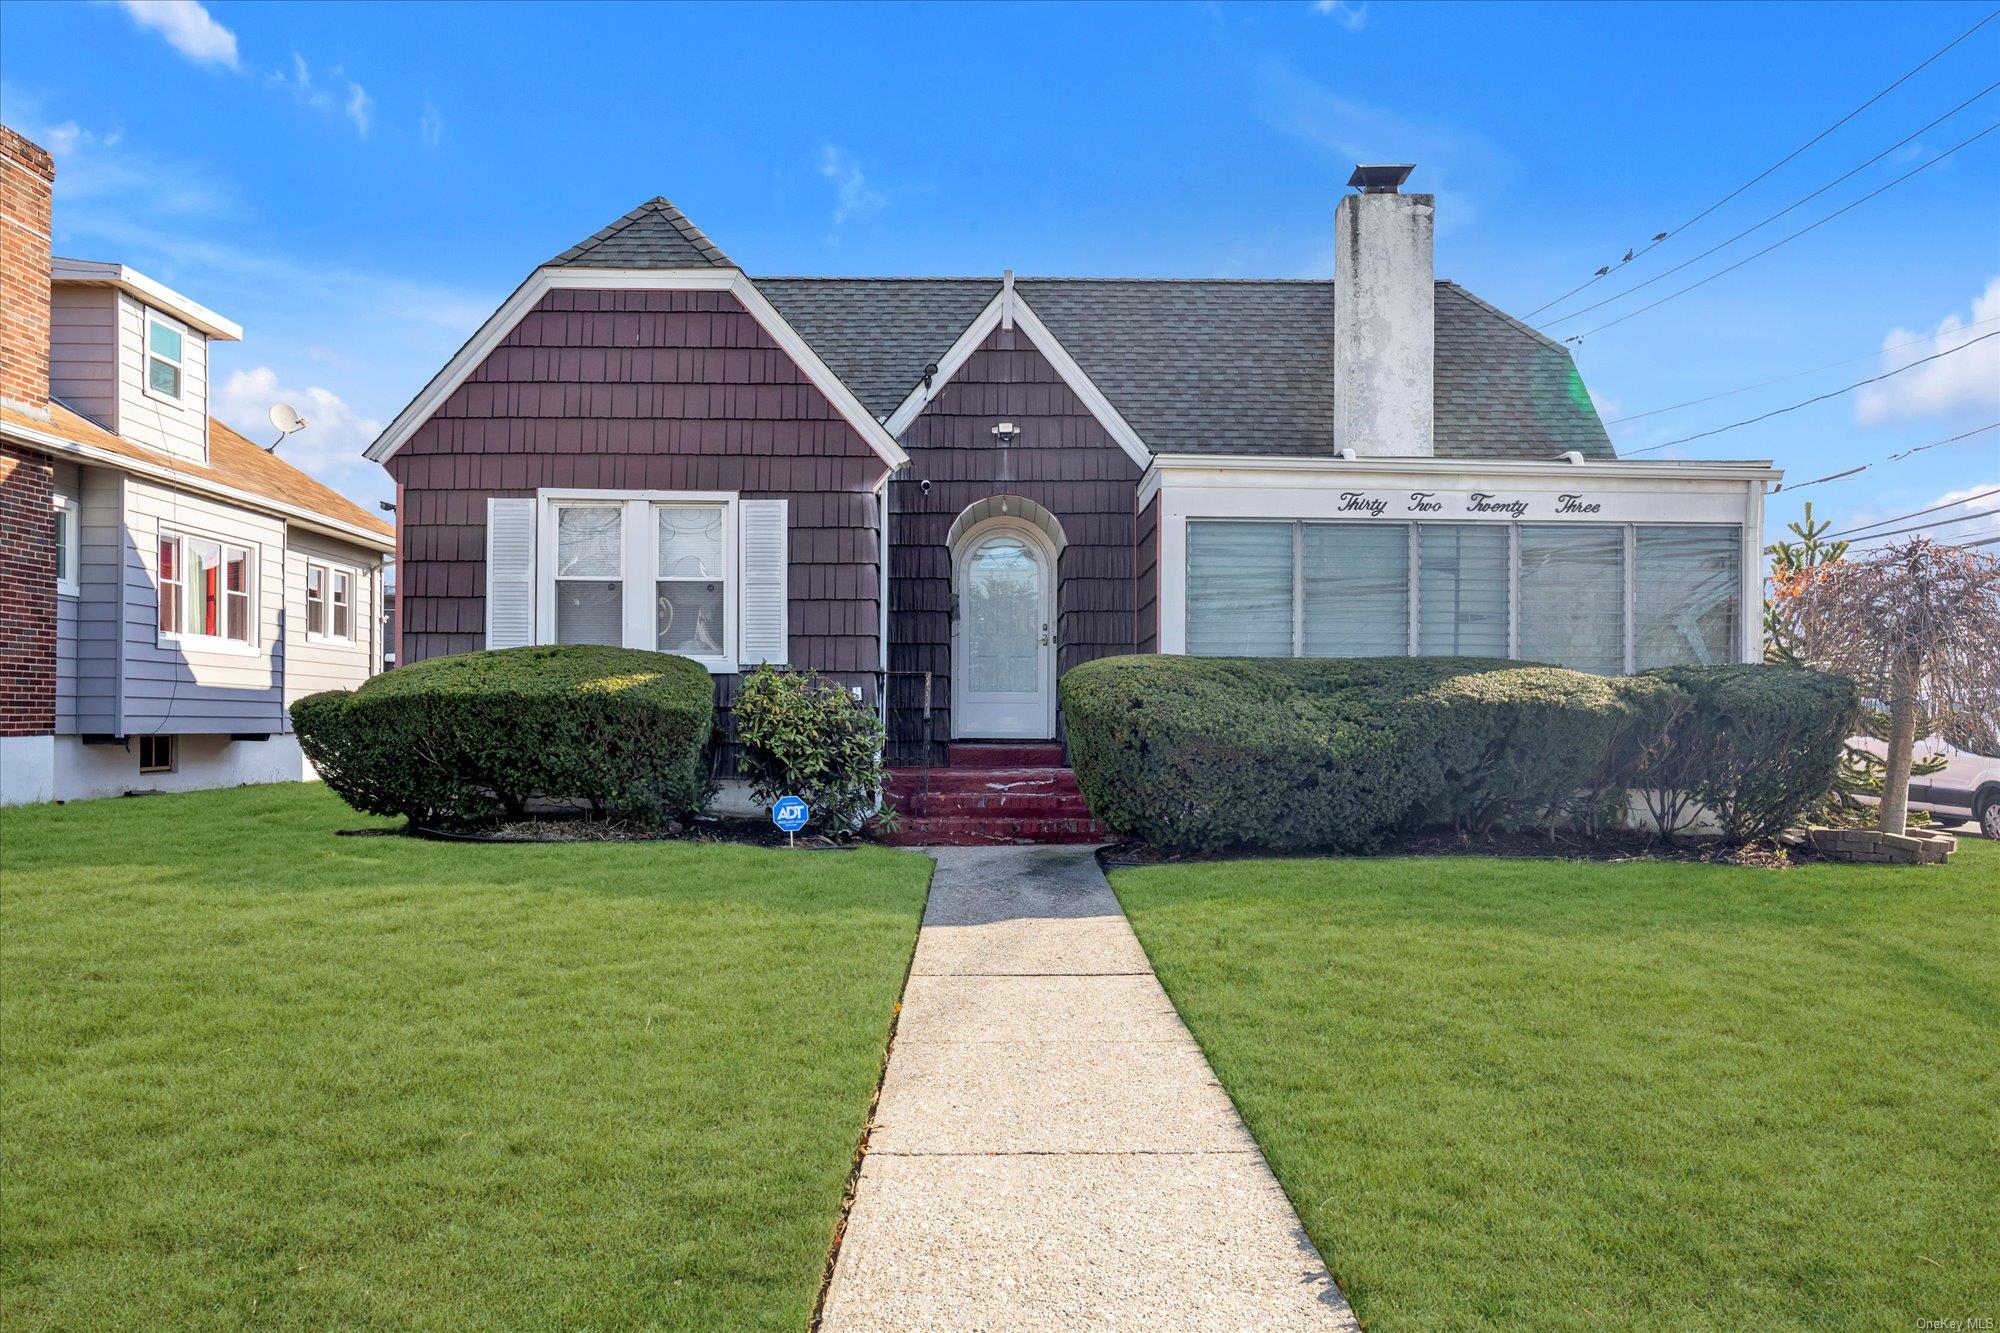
[1015, 714]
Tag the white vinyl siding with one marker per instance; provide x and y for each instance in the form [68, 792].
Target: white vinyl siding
[195, 684]
[314, 660]
[146, 416]
[84, 350]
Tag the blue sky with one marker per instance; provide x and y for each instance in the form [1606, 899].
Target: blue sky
[361, 185]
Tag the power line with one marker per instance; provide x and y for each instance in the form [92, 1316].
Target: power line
[1813, 226]
[1787, 487]
[1916, 513]
[1935, 523]
[1797, 374]
[1820, 398]
[1720, 245]
[1938, 444]
[1661, 237]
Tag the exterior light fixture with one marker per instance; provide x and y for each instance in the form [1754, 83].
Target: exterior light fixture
[1006, 432]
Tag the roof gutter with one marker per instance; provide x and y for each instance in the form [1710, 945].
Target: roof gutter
[307, 518]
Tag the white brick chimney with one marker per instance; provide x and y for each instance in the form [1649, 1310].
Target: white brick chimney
[1385, 321]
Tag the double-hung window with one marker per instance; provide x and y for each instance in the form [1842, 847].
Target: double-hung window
[653, 572]
[329, 603]
[204, 589]
[590, 573]
[688, 597]
[166, 349]
[65, 541]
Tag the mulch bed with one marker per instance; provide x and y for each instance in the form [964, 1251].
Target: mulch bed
[1561, 846]
[742, 832]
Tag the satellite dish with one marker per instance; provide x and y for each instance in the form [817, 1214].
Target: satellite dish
[286, 422]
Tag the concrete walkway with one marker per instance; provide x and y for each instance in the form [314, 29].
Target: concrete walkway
[1051, 1150]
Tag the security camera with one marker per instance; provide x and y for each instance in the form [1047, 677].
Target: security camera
[924, 486]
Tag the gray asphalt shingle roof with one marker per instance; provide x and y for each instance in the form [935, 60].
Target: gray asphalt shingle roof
[653, 235]
[1208, 365]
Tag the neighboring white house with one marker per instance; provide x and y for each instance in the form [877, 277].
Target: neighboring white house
[194, 583]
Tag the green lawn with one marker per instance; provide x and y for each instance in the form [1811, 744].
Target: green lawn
[1522, 1094]
[258, 1074]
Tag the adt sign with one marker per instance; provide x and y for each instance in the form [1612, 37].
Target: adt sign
[790, 813]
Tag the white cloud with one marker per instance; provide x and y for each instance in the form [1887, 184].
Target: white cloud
[855, 195]
[188, 28]
[430, 126]
[1963, 383]
[358, 105]
[329, 447]
[1347, 13]
[339, 96]
[95, 165]
[1452, 164]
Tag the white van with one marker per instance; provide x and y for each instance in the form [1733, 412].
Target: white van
[1967, 787]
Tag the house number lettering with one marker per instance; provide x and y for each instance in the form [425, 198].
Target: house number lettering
[1576, 504]
[1354, 502]
[1485, 502]
[1425, 502]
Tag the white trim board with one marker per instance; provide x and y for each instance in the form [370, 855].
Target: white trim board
[148, 291]
[558, 278]
[1266, 471]
[184, 480]
[1009, 308]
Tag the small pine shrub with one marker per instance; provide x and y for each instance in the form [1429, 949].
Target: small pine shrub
[804, 735]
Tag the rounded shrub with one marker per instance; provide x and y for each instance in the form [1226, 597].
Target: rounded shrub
[804, 735]
[1337, 753]
[1757, 747]
[455, 739]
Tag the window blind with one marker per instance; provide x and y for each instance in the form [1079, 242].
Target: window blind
[1573, 596]
[1239, 589]
[1462, 590]
[1686, 596]
[1356, 589]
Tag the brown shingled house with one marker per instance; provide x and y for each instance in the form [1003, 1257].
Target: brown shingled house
[167, 587]
[946, 491]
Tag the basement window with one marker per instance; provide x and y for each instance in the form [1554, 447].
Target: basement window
[156, 754]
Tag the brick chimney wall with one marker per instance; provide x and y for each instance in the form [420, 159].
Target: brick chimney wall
[27, 180]
[27, 478]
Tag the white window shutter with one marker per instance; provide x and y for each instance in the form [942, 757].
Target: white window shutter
[766, 578]
[510, 573]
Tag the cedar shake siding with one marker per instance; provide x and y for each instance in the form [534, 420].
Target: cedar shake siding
[643, 390]
[1064, 461]
[1149, 577]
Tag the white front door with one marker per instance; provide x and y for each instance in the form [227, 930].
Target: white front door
[1003, 640]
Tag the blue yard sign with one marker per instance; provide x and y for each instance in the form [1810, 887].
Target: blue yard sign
[790, 813]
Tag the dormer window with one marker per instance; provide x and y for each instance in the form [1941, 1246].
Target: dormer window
[165, 347]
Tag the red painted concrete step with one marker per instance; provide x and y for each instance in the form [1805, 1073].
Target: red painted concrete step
[992, 792]
[979, 830]
[1004, 754]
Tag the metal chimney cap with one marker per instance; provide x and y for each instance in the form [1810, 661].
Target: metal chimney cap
[1381, 178]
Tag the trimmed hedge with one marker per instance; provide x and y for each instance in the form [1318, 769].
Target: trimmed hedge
[456, 739]
[1756, 746]
[1297, 754]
